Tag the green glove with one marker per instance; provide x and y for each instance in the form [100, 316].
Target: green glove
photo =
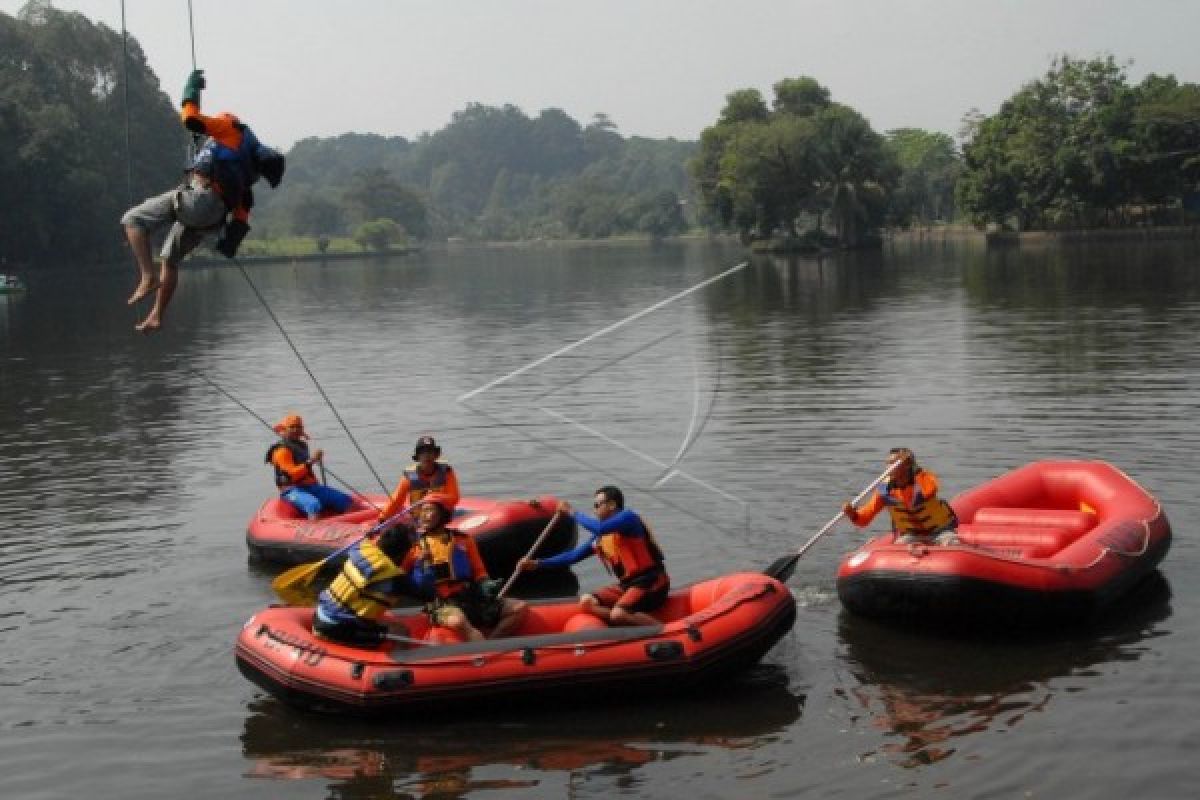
[191, 90]
[489, 588]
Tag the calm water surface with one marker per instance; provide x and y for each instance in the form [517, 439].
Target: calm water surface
[738, 418]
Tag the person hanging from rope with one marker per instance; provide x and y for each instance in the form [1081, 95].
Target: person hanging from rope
[215, 198]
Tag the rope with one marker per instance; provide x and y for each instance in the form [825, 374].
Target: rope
[191, 33]
[304, 364]
[125, 86]
[271, 428]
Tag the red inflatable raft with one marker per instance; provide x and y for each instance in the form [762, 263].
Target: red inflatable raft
[1048, 542]
[503, 529]
[709, 629]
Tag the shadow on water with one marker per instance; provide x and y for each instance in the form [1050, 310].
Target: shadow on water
[425, 758]
[924, 692]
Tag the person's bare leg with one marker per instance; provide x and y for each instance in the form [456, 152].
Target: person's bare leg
[512, 616]
[139, 244]
[168, 279]
[619, 616]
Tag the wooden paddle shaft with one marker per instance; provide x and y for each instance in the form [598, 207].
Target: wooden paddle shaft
[538, 543]
[829, 525]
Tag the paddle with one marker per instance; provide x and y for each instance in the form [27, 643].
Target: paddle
[782, 568]
[538, 543]
[295, 587]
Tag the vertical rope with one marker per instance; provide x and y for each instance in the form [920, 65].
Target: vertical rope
[192, 33]
[125, 83]
[194, 140]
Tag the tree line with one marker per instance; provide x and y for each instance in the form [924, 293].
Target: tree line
[1079, 146]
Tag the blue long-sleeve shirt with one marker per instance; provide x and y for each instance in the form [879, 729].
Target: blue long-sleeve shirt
[625, 522]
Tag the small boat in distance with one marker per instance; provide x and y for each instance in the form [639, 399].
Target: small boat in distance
[504, 530]
[1048, 543]
[709, 629]
[11, 284]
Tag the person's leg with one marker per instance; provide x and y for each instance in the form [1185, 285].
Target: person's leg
[635, 604]
[456, 620]
[331, 499]
[139, 244]
[512, 613]
[140, 222]
[180, 241]
[303, 501]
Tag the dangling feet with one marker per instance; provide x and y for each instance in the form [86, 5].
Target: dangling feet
[150, 324]
[147, 286]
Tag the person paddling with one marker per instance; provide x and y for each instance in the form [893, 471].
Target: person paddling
[624, 543]
[919, 515]
[215, 198]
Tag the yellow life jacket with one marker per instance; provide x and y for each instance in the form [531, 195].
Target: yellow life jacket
[926, 516]
[367, 583]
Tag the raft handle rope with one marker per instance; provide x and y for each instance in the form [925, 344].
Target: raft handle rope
[304, 364]
[271, 427]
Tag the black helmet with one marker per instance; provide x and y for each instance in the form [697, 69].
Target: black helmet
[426, 443]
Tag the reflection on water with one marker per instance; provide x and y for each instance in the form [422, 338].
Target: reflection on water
[533, 748]
[127, 483]
[926, 693]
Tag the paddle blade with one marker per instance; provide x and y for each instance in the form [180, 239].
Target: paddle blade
[782, 568]
[299, 586]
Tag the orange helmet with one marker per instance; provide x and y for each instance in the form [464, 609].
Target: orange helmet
[289, 422]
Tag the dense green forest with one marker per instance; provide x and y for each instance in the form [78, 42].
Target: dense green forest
[1078, 147]
[491, 173]
[63, 94]
[1082, 148]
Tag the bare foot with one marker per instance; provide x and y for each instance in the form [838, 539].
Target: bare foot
[145, 288]
[149, 325]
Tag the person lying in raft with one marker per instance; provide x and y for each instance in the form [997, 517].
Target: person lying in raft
[294, 476]
[426, 474]
[371, 582]
[626, 546]
[910, 495]
[446, 570]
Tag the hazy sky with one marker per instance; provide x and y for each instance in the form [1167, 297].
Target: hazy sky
[658, 68]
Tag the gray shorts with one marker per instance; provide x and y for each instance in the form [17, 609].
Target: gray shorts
[192, 214]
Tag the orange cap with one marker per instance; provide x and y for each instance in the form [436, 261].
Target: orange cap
[291, 421]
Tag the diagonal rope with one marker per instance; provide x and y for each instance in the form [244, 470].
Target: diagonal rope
[304, 364]
[271, 427]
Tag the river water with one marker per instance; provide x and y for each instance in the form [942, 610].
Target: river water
[738, 416]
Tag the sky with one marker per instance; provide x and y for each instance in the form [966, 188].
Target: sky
[658, 68]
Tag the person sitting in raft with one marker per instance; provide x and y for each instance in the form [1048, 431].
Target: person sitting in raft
[446, 569]
[294, 475]
[351, 609]
[626, 546]
[227, 165]
[910, 495]
[426, 474]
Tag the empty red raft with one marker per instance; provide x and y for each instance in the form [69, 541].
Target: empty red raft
[709, 629]
[504, 530]
[1048, 542]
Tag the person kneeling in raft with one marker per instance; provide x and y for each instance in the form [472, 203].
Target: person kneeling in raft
[625, 544]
